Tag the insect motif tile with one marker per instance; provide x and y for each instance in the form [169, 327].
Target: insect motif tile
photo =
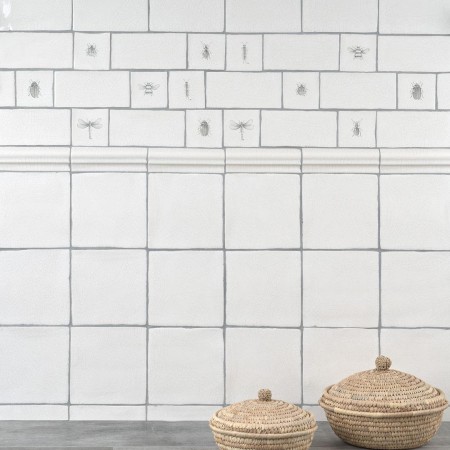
[34, 88]
[187, 89]
[204, 128]
[357, 128]
[416, 91]
[241, 128]
[244, 52]
[206, 51]
[358, 52]
[92, 51]
[90, 127]
[301, 90]
[149, 89]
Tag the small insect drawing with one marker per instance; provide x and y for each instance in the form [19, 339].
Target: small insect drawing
[149, 87]
[244, 53]
[358, 52]
[90, 124]
[241, 126]
[417, 91]
[34, 89]
[357, 128]
[91, 50]
[206, 51]
[204, 128]
[301, 89]
[187, 90]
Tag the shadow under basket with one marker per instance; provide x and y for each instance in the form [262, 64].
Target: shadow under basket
[384, 409]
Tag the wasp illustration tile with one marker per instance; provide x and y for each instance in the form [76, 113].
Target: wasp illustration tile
[92, 51]
[417, 91]
[357, 128]
[149, 89]
[241, 128]
[206, 51]
[301, 90]
[186, 89]
[244, 52]
[358, 52]
[204, 128]
[90, 127]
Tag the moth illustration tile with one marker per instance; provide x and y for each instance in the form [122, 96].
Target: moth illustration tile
[92, 51]
[34, 88]
[90, 127]
[206, 51]
[204, 128]
[244, 52]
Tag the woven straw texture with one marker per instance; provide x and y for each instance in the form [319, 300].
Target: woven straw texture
[384, 409]
[263, 424]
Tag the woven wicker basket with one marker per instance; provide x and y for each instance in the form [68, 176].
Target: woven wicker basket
[263, 424]
[384, 409]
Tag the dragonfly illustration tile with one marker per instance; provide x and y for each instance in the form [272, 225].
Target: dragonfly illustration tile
[241, 128]
[149, 89]
[92, 51]
[90, 127]
[34, 88]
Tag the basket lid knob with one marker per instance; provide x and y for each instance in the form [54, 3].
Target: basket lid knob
[383, 363]
[265, 395]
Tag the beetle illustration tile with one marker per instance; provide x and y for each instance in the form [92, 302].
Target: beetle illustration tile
[357, 128]
[92, 51]
[34, 88]
[204, 128]
[149, 89]
[416, 91]
[206, 51]
[301, 90]
[90, 127]
[244, 52]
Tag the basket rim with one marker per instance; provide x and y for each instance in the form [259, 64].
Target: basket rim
[263, 436]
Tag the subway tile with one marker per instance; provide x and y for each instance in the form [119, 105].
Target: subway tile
[204, 128]
[250, 352]
[8, 89]
[300, 52]
[255, 279]
[93, 89]
[187, 15]
[108, 365]
[185, 366]
[250, 16]
[262, 211]
[108, 210]
[416, 91]
[443, 91]
[35, 210]
[301, 90]
[186, 89]
[358, 53]
[241, 128]
[186, 288]
[44, 298]
[36, 50]
[414, 212]
[149, 89]
[109, 287]
[102, 412]
[206, 51]
[175, 413]
[244, 52]
[34, 412]
[357, 128]
[90, 127]
[92, 51]
[34, 88]
[40, 351]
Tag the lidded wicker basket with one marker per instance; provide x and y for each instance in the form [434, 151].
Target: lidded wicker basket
[384, 409]
[263, 424]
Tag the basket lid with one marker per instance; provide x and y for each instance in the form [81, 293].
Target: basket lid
[383, 390]
[263, 416]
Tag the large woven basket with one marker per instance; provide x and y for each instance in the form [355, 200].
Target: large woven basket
[384, 409]
[263, 424]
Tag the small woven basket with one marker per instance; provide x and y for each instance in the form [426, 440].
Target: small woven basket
[384, 409]
[263, 424]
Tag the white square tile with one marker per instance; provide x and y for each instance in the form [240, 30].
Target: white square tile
[149, 89]
[330, 355]
[358, 52]
[206, 51]
[90, 127]
[251, 356]
[101, 412]
[357, 128]
[185, 366]
[414, 212]
[108, 210]
[92, 51]
[241, 128]
[35, 209]
[264, 288]
[415, 289]
[8, 90]
[35, 287]
[340, 289]
[204, 128]
[244, 52]
[185, 211]
[109, 286]
[186, 288]
[108, 365]
[35, 364]
[187, 89]
[416, 91]
[301, 90]
[262, 211]
[34, 88]
[340, 211]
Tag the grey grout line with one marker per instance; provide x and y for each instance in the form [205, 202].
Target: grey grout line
[147, 293]
[379, 253]
[301, 281]
[69, 379]
[224, 271]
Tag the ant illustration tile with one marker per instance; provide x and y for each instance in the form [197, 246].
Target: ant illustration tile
[7, 88]
[90, 127]
[416, 91]
[204, 128]
[301, 90]
[92, 51]
[206, 51]
[358, 52]
[241, 128]
[149, 89]
[357, 128]
[34, 88]
[244, 52]
[187, 89]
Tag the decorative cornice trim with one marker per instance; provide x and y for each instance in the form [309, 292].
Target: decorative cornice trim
[33, 159]
[415, 160]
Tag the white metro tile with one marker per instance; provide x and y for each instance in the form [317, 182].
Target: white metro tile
[206, 51]
[37, 360]
[301, 90]
[244, 52]
[7, 88]
[90, 127]
[92, 51]
[347, 350]
[186, 89]
[149, 89]
[204, 128]
[108, 365]
[357, 128]
[35, 209]
[340, 211]
[263, 288]
[358, 52]
[340, 289]
[414, 212]
[186, 288]
[101, 412]
[416, 91]
[171, 413]
[108, 210]
[34, 412]
[443, 90]
[34, 88]
[185, 366]
[35, 287]
[241, 128]
[251, 356]
[262, 211]
[109, 286]
[185, 211]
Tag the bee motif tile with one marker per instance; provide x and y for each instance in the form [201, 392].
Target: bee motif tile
[204, 128]
[206, 51]
[186, 89]
[149, 89]
[34, 88]
[92, 51]
[416, 91]
[357, 128]
[301, 90]
[90, 127]
[358, 52]
[241, 128]
[244, 52]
